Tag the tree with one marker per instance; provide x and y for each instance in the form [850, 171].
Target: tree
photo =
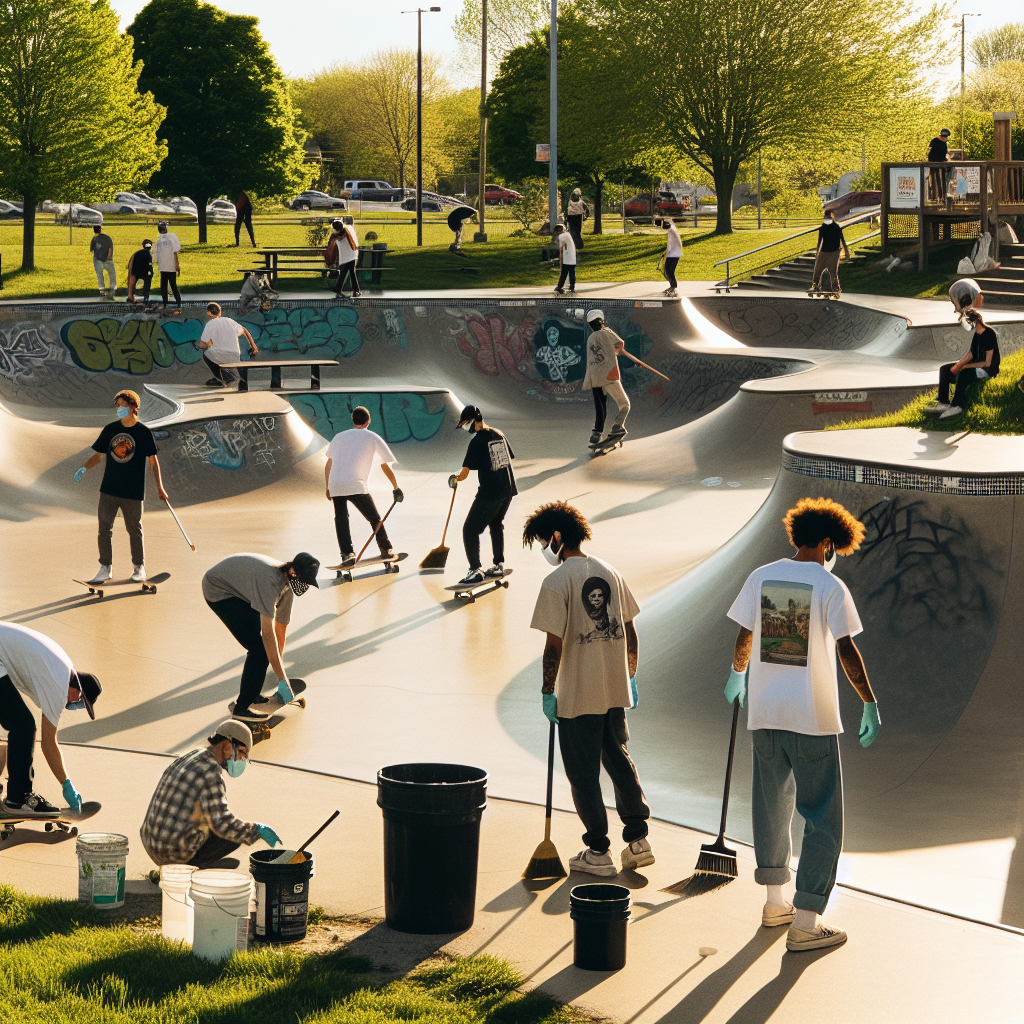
[73, 125]
[1005, 43]
[510, 23]
[721, 79]
[230, 123]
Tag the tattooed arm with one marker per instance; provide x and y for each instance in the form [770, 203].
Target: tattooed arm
[853, 666]
[741, 653]
[551, 661]
[632, 648]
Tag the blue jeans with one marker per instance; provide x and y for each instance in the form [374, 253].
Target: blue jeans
[797, 772]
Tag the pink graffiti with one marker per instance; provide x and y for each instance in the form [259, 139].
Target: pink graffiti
[494, 343]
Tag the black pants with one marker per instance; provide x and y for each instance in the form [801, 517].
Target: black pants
[574, 221]
[169, 277]
[600, 408]
[134, 284]
[568, 270]
[244, 216]
[347, 272]
[218, 371]
[367, 508]
[20, 724]
[243, 622]
[671, 262]
[964, 379]
[484, 514]
[213, 850]
[587, 742]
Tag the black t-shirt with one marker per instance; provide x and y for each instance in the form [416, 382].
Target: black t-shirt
[142, 263]
[126, 449]
[458, 215]
[938, 150]
[830, 237]
[490, 454]
[980, 344]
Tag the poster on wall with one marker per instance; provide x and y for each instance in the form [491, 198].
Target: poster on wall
[905, 187]
[966, 181]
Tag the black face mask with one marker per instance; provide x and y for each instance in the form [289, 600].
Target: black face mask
[298, 587]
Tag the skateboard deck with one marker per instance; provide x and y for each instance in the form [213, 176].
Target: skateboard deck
[836, 296]
[275, 708]
[66, 820]
[146, 586]
[390, 565]
[469, 592]
[605, 447]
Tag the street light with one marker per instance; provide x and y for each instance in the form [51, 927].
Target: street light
[963, 114]
[419, 12]
[553, 203]
[481, 171]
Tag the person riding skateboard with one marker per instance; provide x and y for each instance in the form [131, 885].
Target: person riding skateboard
[252, 595]
[127, 444]
[604, 379]
[34, 666]
[830, 241]
[490, 454]
[350, 458]
[188, 820]
[219, 345]
[589, 668]
[793, 614]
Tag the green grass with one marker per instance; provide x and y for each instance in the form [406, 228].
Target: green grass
[867, 277]
[993, 407]
[60, 964]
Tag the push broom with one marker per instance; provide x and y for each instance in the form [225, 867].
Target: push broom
[716, 865]
[545, 862]
[376, 530]
[437, 558]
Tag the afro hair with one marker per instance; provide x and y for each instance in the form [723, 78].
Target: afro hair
[815, 519]
[557, 516]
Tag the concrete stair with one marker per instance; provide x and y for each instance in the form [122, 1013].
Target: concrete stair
[1005, 286]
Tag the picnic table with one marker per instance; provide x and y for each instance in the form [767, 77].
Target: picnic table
[275, 366]
[306, 259]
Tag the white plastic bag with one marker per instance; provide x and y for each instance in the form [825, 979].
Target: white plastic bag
[980, 254]
[965, 266]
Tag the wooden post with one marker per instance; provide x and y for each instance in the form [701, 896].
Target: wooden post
[883, 222]
[922, 237]
[984, 199]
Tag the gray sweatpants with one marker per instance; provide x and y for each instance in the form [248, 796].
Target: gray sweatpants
[617, 393]
[131, 510]
[108, 265]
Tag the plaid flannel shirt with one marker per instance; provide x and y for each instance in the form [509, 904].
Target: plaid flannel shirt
[189, 804]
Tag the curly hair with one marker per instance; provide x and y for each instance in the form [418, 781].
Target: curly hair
[130, 397]
[557, 516]
[815, 519]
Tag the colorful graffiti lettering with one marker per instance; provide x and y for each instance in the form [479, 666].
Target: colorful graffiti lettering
[134, 346]
[317, 333]
[494, 343]
[395, 416]
[225, 448]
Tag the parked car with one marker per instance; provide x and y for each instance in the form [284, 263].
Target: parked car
[429, 205]
[313, 200]
[10, 211]
[356, 186]
[640, 205]
[382, 195]
[498, 195]
[79, 214]
[182, 204]
[220, 211]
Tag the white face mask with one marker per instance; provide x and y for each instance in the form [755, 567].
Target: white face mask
[830, 562]
[551, 553]
[828, 220]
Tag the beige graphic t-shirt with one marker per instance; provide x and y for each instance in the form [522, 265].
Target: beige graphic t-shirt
[587, 603]
[602, 362]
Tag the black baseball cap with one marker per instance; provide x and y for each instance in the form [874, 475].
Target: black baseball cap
[471, 412]
[945, 133]
[89, 687]
[306, 566]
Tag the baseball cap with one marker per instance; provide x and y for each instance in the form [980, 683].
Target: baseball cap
[232, 729]
[147, 241]
[595, 314]
[90, 688]
[306, 566]
[161, 226]
[945, 133]
[471, 412]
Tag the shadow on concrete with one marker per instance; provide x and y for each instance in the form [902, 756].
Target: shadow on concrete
[518, 898]
[524, 483]
[40, 611]
[658, 499]
[396, 952]
[934, 448]
[26, 834]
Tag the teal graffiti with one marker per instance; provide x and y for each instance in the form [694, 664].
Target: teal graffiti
[396, 416]
[318, 334]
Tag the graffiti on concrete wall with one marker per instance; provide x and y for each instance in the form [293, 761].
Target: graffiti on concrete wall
[24, 348]
[396, 416]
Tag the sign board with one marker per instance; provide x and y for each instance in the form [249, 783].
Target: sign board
[543, 152]
[966, 182]
[905, 187]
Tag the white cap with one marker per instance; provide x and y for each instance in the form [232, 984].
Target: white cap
[233, 729]
[595, 314]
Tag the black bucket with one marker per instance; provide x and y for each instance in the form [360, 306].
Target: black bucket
[431, 841]
[600, 914]
[282, 896]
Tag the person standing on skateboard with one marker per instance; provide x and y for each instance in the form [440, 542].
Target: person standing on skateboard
[34, 666]
[490, 454]
[127, 444]
[793, 614]
[252, 595]
[604, 379]
[188, 820]
[830, 240]
[673, 253]
[350, 458]
[589, 667]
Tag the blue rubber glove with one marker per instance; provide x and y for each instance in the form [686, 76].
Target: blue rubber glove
[284, 691]
[72, 795]
[632, 687]
[870, 723]
[79, 473]
[268, 835]
[453, 481]
[398, 494]
[550, 702]
[736, 688]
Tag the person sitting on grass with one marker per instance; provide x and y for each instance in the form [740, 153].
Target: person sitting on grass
[981, 363]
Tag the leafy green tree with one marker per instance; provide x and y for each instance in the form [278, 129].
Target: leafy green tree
[230, 123]
[73, 125]
[510, 23]
[1005, 43]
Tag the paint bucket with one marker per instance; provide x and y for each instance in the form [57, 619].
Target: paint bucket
[101, 866]
[600, 914]
[220, 901]
[176, 911]
[282, 896]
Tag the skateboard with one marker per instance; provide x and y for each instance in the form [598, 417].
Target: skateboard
[605, 446]
[390, 565]
[835, 296]
[147, 586]
[274, 707]
[458, 252]
[957, 437]
[469, 592]
[66, 820]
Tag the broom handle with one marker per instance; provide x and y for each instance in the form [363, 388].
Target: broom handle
[449, 519]
[374, 534]
[318, 831]
[551, 781]
[728, 770]
[640, 362]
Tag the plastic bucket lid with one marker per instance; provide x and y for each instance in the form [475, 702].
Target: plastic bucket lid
[214, 882]
[599, 902]
[264, 871]
[432, 788]
[101, 842]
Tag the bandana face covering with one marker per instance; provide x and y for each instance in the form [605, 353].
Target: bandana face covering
[298, 587]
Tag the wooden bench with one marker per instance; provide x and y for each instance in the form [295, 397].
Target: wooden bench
[276, 366]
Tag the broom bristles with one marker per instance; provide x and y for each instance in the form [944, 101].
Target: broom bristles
[436, 559]
[545, 863]
[716, 866]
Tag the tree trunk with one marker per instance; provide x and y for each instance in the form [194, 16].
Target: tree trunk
[28, 234]
[725, 179]
[201, 202]
[598, 200]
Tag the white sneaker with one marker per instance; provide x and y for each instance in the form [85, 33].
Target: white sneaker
[637, 855]
[825, 936]
[953, 410]
[102, 576]
[593, 863]
[139, 575]
[495, 572]
[936, 407]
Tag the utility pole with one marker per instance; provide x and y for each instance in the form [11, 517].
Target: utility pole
[963, 111]
[419, 119]
[553, 203]
[481, 235]
[759, 190]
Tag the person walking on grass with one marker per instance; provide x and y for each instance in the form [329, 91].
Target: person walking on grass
[166, 252]
[350, 458]
[793, 614]
[243, 215]
[673, 252]
[566, 260]
[980, 363]
[128, 445]
[603, 378]
[219, 345]
[102, 249]
[490, 454]
[830, 241]
[345, 255]
[589, 670]
[140, 271]
[457, 221]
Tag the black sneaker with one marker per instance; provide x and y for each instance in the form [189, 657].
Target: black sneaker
[215, 382]
[472, 577]
[388, 553]
[249, 715]
[347, 561]
[33, 806]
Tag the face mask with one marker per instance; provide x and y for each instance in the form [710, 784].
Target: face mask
[76, 705]
[550, 553]
[122, 412]
[235, 766]
[828, 220]
[298, 587]
[830, 560]
[466, 426]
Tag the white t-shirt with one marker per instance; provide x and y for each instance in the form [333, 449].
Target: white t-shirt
[674, 246]
[587, 603]
[163, 252]
[567, 247]
[38, 667]
[964, 292]
[352, 453]
[602, 359]
[347, 253]
[796, 611]
[224, 333]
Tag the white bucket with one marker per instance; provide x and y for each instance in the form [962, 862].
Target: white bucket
[176, 911]
[221, 907]
[101, 867]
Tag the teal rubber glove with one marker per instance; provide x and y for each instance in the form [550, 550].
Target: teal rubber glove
[736, 688]
[870, 723]
[72, 795]
[550, 702]
[398, 494]
[268, 835]
[79, 473]
[284, 691]
[632, 687]
[453, 481]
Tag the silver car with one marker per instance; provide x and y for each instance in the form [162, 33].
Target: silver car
[313, 200]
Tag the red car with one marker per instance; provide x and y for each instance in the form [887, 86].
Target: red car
[498, 195]
[640, 206]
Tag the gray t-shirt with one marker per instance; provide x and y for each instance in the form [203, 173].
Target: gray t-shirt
[964, 292]
[102, 247]
[255, 579]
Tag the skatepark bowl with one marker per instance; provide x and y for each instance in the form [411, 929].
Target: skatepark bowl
[397, 670]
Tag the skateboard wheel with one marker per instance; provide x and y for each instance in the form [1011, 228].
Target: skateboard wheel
[73, 830]
[301, 702]
[48, 827]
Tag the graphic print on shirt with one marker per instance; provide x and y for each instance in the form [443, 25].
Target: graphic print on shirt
[122, 447]
[597, 598]
[498, 452]
[785, 622]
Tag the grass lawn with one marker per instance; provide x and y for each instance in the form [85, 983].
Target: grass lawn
[867, 277]
[61, 964]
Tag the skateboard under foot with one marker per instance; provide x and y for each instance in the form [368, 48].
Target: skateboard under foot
[470, 592]
[344, 573]
[606, 446]
[275, 708]
[146, 586]
[66, 820]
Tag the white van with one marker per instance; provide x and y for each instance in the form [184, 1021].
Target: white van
[352, 186]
